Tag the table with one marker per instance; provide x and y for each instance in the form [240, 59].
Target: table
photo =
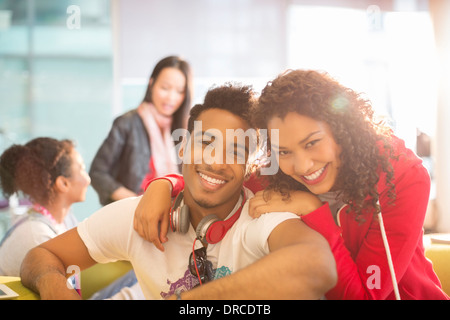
[439, 254]
[92, 280]
[15, 284]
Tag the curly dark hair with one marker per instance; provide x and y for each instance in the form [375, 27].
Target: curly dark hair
[33, 168]
[353, 125]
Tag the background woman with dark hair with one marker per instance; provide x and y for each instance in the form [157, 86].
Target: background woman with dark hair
[139, 146]
[51, 174]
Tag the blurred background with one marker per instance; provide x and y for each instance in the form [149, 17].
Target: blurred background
[69, 67]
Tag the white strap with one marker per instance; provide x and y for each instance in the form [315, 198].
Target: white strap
[388, 254]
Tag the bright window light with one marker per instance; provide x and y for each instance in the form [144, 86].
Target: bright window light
[389, 57]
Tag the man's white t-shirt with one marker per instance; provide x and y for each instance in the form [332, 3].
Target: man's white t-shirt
[109, 236]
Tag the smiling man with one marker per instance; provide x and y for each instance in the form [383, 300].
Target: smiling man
[274, 257]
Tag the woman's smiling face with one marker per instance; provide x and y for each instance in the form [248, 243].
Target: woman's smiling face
[307, 151]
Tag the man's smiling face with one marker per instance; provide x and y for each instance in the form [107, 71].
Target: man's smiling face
[213, 169]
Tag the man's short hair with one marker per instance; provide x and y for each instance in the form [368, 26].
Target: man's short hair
[233, 97]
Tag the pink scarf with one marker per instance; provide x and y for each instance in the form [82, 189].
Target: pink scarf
[163, 159]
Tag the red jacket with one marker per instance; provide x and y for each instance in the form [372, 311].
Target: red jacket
[362, 265]
[361, 260]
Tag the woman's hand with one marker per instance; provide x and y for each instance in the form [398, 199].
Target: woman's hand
[151, 218]
[300, 203]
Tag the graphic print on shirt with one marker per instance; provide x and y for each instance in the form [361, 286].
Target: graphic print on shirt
[189, 281]
[222, 272]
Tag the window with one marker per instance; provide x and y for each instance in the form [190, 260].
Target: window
[56, 75]
[387, 56]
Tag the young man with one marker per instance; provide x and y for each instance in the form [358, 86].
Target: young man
[253, 257]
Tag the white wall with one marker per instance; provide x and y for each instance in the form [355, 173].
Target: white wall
[225, 40]
[440, 10]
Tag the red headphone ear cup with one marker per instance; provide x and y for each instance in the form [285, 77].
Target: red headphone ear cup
[218, 229]
[216, 232]
[204, 225]
[212, 229]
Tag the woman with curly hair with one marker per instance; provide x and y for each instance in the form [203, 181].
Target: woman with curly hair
[371, 192]
[52, 175]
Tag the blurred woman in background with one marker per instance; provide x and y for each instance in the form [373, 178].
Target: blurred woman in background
[139, 146]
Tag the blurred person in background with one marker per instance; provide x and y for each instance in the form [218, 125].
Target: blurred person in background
[51, 174]
[139, 146]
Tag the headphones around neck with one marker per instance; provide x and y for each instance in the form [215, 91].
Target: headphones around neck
[211, 228]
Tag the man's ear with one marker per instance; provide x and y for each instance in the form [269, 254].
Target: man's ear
[182, 147]
[62, 184]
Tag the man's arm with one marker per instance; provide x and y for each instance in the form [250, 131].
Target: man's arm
[300, 266]
[44, 269]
